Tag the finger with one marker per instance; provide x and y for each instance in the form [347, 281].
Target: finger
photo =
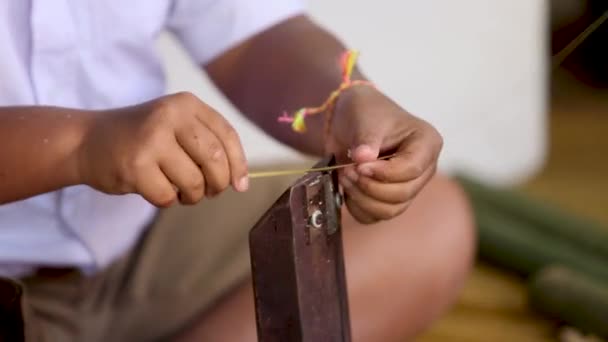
[364, 153]
[392, 193]
[156, 188]
[357, 213]
[367, 140]
[412, 158]
[208, 153]
[231, 142]
[185, 175]
[371, 207]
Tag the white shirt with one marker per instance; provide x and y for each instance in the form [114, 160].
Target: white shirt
[96, 54]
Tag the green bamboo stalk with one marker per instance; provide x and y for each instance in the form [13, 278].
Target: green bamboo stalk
[515, 244]
[571, 297]
[543, 218]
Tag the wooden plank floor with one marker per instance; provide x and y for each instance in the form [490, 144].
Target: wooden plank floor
[493, 306]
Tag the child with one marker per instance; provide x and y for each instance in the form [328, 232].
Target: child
[93, 159]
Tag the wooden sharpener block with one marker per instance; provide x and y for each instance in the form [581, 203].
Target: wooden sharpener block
[298, 264]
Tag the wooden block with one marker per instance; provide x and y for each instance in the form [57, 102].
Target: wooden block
[298, 265]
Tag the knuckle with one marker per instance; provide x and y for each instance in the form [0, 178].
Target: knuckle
[195, 189]
[434, 135]
[215, 151]
[384, 214]
[219, 185]
[415, 170]
[197, 197]
[230, 133]
[123, 181]
[157, 126]
[212, 193]
[139, 162]
[381, 174]
[358, 214]
[163, 109]
[405, 196]
[185, 96]
[223, 184]
[440, 141]
[432, 173]
[197, 183]
[124, 178]
[134, 165]
[225, 126]
[192, 197]
[389, 212]
[165, 198]
[352, 195]
[365, 185]
[400, 209]
[133, 169]
[365, 219]
[169, 108]
[185, 198]
[155, 134]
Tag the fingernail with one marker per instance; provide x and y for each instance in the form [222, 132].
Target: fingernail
[365, 153]
[366, 170]
[365, 149]
[243, 184]
[352, 175]
[346, 182]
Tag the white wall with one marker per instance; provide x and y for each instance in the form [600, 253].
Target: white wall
[474, 68]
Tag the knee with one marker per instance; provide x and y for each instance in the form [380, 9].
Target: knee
[453, 244]
[457, 231]
[406, 272]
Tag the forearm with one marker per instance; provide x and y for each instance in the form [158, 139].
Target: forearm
[290, 66]
[38, 150]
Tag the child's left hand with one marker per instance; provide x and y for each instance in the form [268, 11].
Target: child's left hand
[366, 124]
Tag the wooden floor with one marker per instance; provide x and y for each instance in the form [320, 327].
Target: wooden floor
[493, 304]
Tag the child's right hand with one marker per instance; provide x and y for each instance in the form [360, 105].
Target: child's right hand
[174, 142]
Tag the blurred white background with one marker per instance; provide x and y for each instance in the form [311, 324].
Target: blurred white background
[476, 69]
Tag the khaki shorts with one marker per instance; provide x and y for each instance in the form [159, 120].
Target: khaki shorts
[189, 258]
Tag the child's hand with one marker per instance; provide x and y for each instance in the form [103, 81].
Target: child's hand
[174, 144]
[368, 123]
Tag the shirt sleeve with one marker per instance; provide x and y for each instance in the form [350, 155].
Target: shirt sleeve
[207, 28]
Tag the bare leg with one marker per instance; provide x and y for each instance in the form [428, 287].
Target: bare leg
[402, 274]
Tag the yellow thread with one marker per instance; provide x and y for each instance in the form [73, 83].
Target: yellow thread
[275, 173]
[298, 124]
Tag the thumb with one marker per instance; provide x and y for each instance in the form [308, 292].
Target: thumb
[366, 146]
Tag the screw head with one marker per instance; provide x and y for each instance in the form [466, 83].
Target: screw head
[316, 219]
[339, 200]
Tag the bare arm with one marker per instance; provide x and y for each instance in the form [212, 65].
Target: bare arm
[38, 150]
[175, 142]
[292, 65]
